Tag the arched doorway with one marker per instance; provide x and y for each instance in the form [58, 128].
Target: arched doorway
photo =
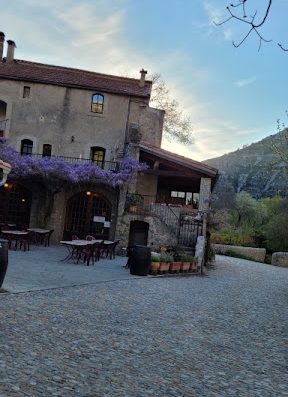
[15, 205]
[87, 213]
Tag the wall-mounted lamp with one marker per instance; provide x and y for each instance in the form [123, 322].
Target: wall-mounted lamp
[72, 138]
[88, 193]
[5, 168]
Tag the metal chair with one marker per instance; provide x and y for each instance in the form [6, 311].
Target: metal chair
[109, 249]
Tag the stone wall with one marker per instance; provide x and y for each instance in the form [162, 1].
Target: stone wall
[62, 117]
[280, 259]
[256, 254]
[158, 235]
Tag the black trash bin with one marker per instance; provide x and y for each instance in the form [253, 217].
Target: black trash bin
[140, 259]
[3, 259]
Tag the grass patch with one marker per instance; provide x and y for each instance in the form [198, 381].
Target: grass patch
[240, 256]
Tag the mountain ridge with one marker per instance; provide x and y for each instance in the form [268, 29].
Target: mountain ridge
[255, 168]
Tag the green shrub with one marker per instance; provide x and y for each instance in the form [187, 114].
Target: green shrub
[165, 257]
[155, 257]
[233, 237]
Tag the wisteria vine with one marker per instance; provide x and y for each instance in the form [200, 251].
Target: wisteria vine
[56, 171]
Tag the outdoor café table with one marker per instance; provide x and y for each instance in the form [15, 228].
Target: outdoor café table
[14, 235]
[75, 248]
[38, 234]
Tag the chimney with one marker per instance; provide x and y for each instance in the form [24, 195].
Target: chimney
[2, 39]
[142, 78]
[10, 51]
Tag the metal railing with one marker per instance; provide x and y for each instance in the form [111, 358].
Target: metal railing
[182, 223]
[106, 165]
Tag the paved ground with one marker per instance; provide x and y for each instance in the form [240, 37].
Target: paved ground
[221, 335]
[43, 268]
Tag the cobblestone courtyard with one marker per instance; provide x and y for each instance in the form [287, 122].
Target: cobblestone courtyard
[220, 335]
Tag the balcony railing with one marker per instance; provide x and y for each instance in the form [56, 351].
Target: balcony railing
[106, 165]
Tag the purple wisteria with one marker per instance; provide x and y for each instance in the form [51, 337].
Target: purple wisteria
[56, 171]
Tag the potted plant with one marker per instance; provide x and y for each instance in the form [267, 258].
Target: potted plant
[186, 263]
[165, 260]
[155, 263]
[175, 267]
[193, 265]
[134, 202]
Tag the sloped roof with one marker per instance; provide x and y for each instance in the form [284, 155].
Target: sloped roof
[69, 77]
[180, 160]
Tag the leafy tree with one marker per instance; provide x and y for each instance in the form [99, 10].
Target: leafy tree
[177, 126]
[280, 146]
[224, 199]
[248, 212]
[276, 229]
[272, 205]
[254, 19]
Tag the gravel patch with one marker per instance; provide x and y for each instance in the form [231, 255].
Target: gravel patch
[221, 335]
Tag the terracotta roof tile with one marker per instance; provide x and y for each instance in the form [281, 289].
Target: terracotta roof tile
[185, 161]
[69, 77]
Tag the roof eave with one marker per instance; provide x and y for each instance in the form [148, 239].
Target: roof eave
[195, 166]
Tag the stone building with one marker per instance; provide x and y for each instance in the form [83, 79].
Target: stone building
[80, 116]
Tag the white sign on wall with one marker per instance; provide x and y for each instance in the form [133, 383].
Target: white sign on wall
[99, 219]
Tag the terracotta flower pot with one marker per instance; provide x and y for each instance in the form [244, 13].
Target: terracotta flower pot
[193, 266]
[185, 266]
[154, 267]
[175, 267]
[133, 209]
[164, 267]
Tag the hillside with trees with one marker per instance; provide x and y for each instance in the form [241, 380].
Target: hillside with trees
[260, 169]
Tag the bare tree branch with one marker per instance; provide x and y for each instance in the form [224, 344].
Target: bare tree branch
[254, 23]
[177, 126]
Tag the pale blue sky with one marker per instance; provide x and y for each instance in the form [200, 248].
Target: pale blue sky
[233, 96]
